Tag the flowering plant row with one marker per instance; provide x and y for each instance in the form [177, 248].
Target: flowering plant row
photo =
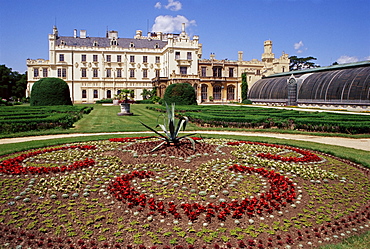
[13, 165]
[281, 191]
[307, 156]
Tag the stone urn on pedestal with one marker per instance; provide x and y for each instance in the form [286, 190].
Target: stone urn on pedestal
[125, 103]
[125, 110]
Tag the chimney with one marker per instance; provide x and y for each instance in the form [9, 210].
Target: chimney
[82, 33]
[240, 55]
[75, 33]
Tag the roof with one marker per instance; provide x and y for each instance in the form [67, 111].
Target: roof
[105, 42]
[320, 69]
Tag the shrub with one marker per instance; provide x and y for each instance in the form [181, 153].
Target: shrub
[50, 91]
[180, 94]
[103, 101]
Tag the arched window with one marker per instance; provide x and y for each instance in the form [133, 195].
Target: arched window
[230, 92]
[109, 94]
[195, 86]
[84, 94]
[118, 92]
[203, 92]
[217, 92]
[95, 94]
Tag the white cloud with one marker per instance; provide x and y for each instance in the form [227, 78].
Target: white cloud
[347, 59]
[298, 45]
[158, 5]
[367, 58]
[172, 5]
[171, 24]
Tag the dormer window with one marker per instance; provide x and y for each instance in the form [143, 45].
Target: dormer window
[95, 43]
[132, 45]
[156, 45]
[113, 42]
[62, 43]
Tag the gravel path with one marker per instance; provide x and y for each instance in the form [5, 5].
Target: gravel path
[361, 144]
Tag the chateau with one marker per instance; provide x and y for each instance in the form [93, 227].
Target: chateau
[99, 67]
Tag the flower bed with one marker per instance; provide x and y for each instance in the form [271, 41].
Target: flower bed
[225, 194]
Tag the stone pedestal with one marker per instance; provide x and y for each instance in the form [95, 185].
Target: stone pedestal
[125, 110]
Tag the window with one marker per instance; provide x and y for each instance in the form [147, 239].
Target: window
[231, 72]
[95, 43]
[183, 70]
[95, 72]
[35, 72]
[217, 72]
[132, 73]
[189, 56]
[84, 94]
[177, 56]
[109, 58]
[119, 58]
[145, 59]
[217, 93]
[204, 71]
[113, 42]
[44, 72]
[109, 73]
[95, 94]
[157, 73]
[95, 58]
[157, 59]
[83, 57]
[145, 73]
[132, 45]
[83, 72]
[203, 92]
[119, 73]
[61, 57]
[64, 73]
[59, 72]
[258, 72]
[132, 58]
[109, 94]
[156, 45]
[230, 93]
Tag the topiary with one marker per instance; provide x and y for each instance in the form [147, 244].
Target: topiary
[180, 94]
[50, 91]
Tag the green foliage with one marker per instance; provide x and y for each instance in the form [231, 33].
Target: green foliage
[171, 134]
[12, 84]
[102, 101]
[50, 91]
[297, 63]
[256, 117]
[244, 87]
[180, 94]
[26, 118]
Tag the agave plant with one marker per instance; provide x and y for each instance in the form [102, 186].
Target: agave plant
[170, 136]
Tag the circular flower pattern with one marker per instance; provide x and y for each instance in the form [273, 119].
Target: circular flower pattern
[225, 194]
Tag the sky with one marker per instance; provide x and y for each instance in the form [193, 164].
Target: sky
[329, 30]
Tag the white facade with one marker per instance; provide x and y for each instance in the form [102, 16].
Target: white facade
[98, 67]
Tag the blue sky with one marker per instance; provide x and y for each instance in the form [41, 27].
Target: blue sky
[330, 30]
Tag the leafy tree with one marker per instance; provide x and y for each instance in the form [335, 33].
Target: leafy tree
[244, 87]
[12, 83]
[297, 63]
[149, 94]
[50, 91]
[180, 94]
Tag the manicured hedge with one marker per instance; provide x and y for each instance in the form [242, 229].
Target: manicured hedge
[256, 117]
[27, 118]
[50, 92]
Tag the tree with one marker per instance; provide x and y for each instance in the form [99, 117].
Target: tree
[180, 94]
[50, 91]
[297, 63]
[12, 83]
[244, 87]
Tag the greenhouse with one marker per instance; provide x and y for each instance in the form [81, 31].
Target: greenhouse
[347, 84]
